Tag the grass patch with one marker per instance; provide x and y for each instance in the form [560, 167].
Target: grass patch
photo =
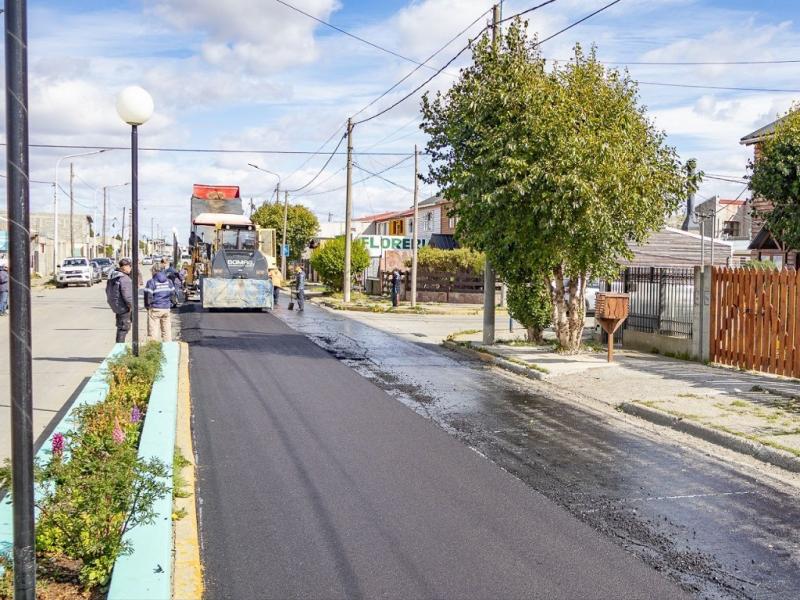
[740, 404]
[456, 334]
[690, 395]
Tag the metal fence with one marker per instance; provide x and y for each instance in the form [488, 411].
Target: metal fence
[661, 299]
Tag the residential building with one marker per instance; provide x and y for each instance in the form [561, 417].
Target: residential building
[764, 246]
[731, 218]
[672, 247]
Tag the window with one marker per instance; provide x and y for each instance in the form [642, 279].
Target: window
[429, 221]
[451, 222]
[732, 228]
[397, 227]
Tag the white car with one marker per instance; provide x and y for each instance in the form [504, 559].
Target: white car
[75, 271]
[147, 260]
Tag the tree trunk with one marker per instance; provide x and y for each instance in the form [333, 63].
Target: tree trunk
[569, 311]
[534, 334]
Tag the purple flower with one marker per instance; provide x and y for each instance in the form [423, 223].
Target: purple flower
[58, 444]
[136, 414]
[118, 434]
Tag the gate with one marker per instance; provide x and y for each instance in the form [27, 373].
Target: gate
[755, 320]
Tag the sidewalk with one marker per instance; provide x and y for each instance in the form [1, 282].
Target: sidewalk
[751, 406]
[361, 303]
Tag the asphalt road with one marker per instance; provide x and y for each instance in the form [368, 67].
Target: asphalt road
[315, 483]
[721, 529]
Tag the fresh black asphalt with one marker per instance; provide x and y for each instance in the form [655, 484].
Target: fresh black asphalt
[314, 483]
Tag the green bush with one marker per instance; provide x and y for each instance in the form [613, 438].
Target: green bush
[94, 487]
[328, 261]
[460, 260]
[531, 305]
[760, 265]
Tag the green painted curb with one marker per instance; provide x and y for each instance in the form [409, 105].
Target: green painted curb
[147, 571]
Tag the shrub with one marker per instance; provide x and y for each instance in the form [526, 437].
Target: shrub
[760, 265]
[328, 261]
[94, 487]
[464, 260]
[531, 305]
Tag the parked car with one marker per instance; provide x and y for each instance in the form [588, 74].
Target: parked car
[97, 271]
[589, 296]
[106, 266]
[147, 260]
[74, 271]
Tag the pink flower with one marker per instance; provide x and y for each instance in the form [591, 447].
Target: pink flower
[136, 414]
[118, 434]
[58, 444]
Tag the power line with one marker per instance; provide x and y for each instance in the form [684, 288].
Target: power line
[431, 57]
[204, 150]
[318, 150]
[578, 22]
[718, 87]
[525, 12]
[336, 189]
[327, 162]
[379, 176]
[657, 63]
[354, 36]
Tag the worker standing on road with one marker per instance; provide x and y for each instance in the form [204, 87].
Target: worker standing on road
[119, 295]
[159, 297]
[395, 286]
[300, 284]
[275, 277]
[3, 290]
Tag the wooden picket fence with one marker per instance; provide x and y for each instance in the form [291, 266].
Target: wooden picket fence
[755, 320]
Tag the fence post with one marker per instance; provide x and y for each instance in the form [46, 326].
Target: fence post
[701, 315]
[662, 292]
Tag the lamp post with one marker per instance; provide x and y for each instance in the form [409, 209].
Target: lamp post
[135, 107]
[55, 200]
[285, 213]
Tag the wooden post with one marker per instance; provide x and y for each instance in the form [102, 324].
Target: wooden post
[611, 347]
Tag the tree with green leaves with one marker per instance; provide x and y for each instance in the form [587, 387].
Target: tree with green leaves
[531, 305]
[776, 178]
[328, 261]
[553, 170]
[301, 225]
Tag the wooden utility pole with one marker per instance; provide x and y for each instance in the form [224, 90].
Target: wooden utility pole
[285, 219]
[105, 203]
[348, 216]
[71, 211]
[488, 271]
[415, 233]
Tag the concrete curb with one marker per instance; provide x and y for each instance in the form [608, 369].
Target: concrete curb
[147, 571]
[773, 456]
[495, 360]
[187, 579]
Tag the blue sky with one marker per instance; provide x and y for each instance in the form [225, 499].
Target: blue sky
[252, 74]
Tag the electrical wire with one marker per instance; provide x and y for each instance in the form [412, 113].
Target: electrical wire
[465, 48]
[379, 176]
[578, 22]
[718, 87]
[354, 36]
[525, 12]
[431, 57]
[699, 63]
[327, 162]
[318, 150]
[204, 150]
[336, 189]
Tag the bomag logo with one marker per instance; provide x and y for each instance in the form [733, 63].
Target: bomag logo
[241, 262]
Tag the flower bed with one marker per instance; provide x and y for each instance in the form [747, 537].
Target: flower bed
[94, 486]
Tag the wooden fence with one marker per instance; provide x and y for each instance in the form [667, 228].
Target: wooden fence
[755, 320]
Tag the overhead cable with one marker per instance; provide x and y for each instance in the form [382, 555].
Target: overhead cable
[327, 162]
[379, 176]
[719, 87]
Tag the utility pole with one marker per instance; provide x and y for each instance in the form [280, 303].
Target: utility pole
[415, 233]
[285, 218]
[105, 203]
[348, 213]
[71, 211]
[122, 235]
[488, 272]
[19, 245]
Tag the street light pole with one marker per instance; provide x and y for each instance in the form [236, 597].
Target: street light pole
[19, 242]
[135, 107]
[285, 211]
[348, 215]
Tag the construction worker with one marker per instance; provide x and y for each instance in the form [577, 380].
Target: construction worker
[300, 286]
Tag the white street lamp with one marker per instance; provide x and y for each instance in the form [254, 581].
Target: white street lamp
[135, 107]
[285, 212]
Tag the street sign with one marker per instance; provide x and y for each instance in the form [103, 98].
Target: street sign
[285, 250]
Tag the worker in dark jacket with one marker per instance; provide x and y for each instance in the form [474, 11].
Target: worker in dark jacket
[3, 290]
[159, 297]
[300, 285]
[396, 279]
[119, 295]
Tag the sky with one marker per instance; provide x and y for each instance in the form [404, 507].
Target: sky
[256, 75]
